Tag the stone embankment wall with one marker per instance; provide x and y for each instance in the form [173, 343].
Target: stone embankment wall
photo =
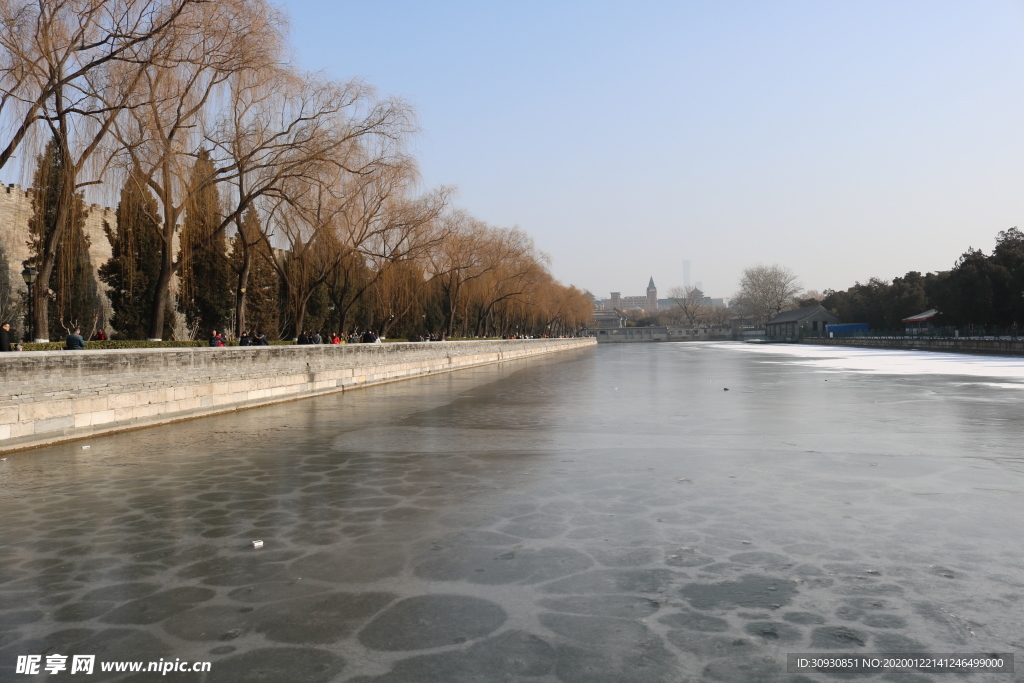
[1001, 347]
[58, 395]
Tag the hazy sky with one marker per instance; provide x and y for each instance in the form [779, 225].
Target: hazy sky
[844, 140]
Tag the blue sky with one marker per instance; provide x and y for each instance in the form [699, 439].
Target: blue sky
[844, 140]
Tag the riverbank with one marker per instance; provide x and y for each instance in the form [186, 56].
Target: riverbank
[997, 347]
[59, 395]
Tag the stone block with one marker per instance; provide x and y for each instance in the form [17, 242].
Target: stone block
[122, 414]
[121, 401]
[8, 414]
[89, 405]
[144, 411]
[22, 429]
[102, 417]
[42, 410]
[53, 424]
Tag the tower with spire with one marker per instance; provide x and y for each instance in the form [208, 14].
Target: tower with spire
[652, 296]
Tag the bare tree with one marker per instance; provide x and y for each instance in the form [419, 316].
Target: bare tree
[459, 261]
[718, 316]
[766, 291]
[176, 102]
[513, 265]
[48, 47]
[381, 223]
[74, 65]
[691, 305]
[279, 127]
[301, 219]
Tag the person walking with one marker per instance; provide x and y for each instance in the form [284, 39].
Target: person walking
[303, 338]
[216, 339]
[261, 339]
[244, 339]
[5, 337]
[74, 342]
[317, 339]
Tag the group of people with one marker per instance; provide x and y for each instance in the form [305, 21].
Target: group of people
[315, 338]
[253, 339]
[368, 337]
[260, 339]
[247, 339]
[75, 341]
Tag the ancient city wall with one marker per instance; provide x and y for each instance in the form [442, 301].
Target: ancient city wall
[15, 212]
[58, 395]
[1001, 347]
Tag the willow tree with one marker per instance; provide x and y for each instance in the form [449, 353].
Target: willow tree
[256, 308]
[72, 66]
[380, 223]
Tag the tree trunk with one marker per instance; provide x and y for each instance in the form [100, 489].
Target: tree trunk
[162, 294]
[243, 279]
[300, 316]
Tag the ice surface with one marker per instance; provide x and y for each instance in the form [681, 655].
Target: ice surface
[607, 515]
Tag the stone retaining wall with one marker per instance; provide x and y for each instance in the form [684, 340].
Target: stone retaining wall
[57, 395]
[1000, 347]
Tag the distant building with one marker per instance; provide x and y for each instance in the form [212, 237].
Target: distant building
[630, 334]
[652, 295]
[639, 303]
[648, 302]
[608, 320]
[921, 322]
[665, 304]
[802, 322]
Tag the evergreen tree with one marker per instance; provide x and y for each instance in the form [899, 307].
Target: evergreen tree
[248, 247]
[12, 304]
[206, 283]
[134, 267]
[75, 293]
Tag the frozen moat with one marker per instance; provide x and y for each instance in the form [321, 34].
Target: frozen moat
[608, 515]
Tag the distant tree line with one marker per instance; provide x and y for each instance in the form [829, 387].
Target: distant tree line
[276, 199]
[980, 290]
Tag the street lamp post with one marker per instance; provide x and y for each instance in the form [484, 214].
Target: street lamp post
[29, 276]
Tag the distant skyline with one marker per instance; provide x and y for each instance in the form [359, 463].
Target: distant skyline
[843, 140]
